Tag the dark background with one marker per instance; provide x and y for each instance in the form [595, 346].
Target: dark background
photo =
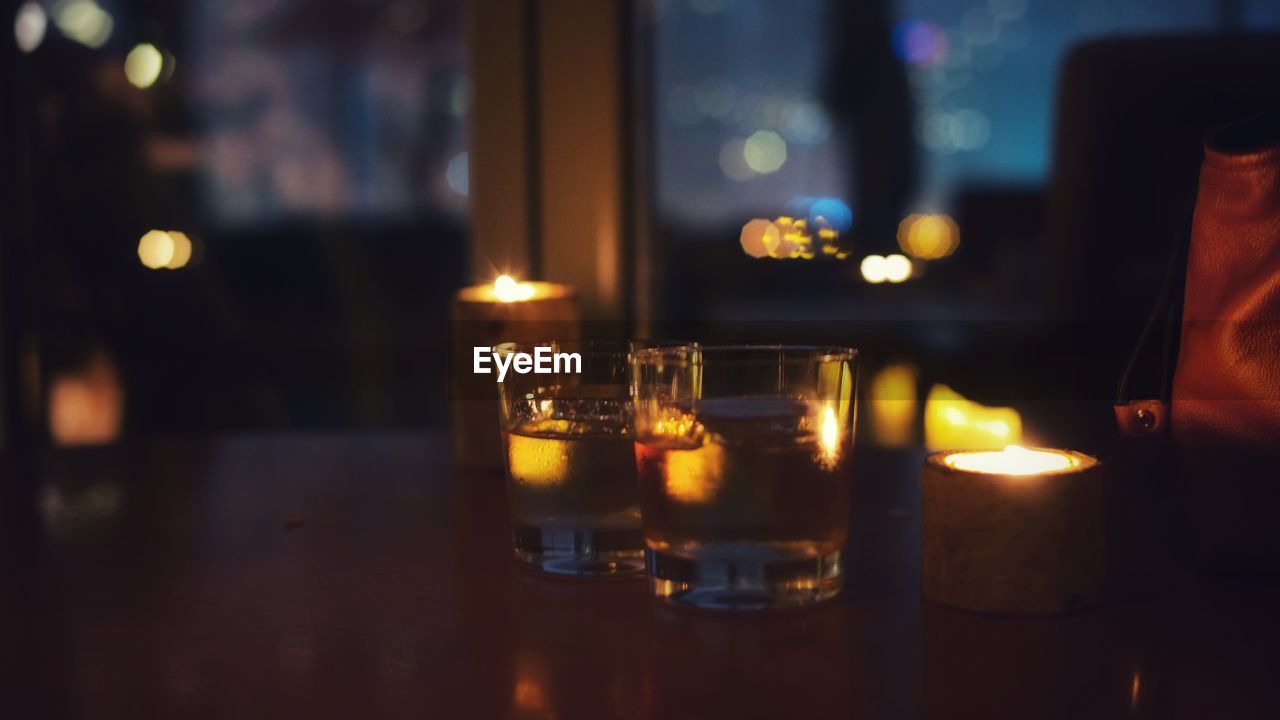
[315, 154]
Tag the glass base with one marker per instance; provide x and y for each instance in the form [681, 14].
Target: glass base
[737, 576]
[579, 551]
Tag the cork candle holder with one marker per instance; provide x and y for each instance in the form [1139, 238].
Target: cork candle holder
[1018, 531]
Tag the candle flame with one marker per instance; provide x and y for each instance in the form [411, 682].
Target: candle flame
[507, 289]
[1013, 460]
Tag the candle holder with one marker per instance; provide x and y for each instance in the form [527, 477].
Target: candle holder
[483, 316]
[1019, 531]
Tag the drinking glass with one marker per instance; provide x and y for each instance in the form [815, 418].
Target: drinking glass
[568, 437]
[743, 461]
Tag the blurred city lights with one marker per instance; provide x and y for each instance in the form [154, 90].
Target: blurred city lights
[733, 162]
[946, 132]
[822, 213]
[877, 269]
[759, 238]
[29, 26]
[155, 249]
[928, 237]
[830, 213]
[919, 42]
[181, 250]
[164, 250]
[806, 123]
[791, 238]
[458, 174]
[799, 206]
[715, 99]
[84, 22]
[765, 151]
[897, 268]
[142, 65]
[873, 269]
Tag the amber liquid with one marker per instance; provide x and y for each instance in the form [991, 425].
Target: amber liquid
[572, 494]
[758, 488]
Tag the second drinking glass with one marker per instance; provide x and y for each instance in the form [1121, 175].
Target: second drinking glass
[743, 459]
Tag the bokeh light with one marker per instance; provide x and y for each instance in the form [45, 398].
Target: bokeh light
[84, 22]
[919, 42]
[792, 238]
[928, 237]
[873, 269]
[799, 206]
[165, 250]
[765, 151]
[142, 65]
[29, 26]
[806, 123]
[830, 213]
[155, 249]
[182, 249]
[897, 268]
[759, 238]
[733, 162]
[966, 129]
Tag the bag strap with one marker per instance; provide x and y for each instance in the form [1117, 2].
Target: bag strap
[1151, 416]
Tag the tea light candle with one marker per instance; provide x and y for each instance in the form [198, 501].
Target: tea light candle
[1015, 531]
[483, 316]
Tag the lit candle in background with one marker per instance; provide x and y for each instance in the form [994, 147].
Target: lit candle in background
[952, 422]
[1017, 531]
[506, 310]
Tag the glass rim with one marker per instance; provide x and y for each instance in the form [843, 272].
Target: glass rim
[812, 353]
[596, 346]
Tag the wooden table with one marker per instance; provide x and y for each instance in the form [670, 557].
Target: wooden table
[356, 576]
